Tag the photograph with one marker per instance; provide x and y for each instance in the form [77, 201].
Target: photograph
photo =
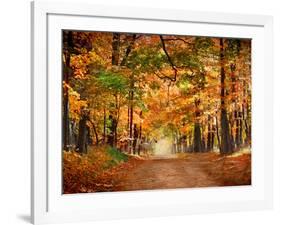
[154, 111]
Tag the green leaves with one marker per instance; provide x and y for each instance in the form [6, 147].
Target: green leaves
[112, 81]
[147, 58]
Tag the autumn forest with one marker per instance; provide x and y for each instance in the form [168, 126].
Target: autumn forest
[152, 111]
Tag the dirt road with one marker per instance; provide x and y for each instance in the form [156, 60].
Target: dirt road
[160, 173]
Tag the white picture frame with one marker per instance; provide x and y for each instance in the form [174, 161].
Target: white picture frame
[48, 205]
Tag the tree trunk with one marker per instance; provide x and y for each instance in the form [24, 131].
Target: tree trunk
[210, 138]
[136, 135]
[240, 128]
[246, 115]
[140, 135]
[226, 145]
[190, 148]
[72, 134]
[115, 48]
[113, 116]
[66, 74]
[238, 136]
[184, 143]
[179, 143]
[203, 139]
[217, 131]
[128, 50]
[82, 136]
[235, 115]
[197, 142]
[247, 126]
[104, 125]
[131, 100]
[116, 117]
[96, 133]
[197, 146]
[112, 127]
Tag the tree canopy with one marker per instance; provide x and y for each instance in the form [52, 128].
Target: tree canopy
[194, 90]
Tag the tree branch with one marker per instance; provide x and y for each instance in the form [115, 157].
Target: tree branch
[176, 39]
[163, 76]
[169, 59]
[128, 50]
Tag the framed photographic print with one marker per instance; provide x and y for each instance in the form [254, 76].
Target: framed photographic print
[142, 112]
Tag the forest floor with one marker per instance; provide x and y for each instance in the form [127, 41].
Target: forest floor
[112, 171]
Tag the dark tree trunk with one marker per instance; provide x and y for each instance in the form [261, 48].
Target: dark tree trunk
[226, 144]
[128, 50]
[235, 115]
[131, 101]
[104, 125]
[204, 146]
[184, 143]
[136, 135]
[112, 127]
[197, 146]
[68, 42]
[113, 116]
[197, 142]
[115, 48]
[190, 147]
[128, 123]
[140, 135]
[210, 138]
[83, 133]
[239, 128]
[116, 117]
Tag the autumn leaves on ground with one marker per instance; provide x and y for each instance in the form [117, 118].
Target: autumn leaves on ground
[146, 112]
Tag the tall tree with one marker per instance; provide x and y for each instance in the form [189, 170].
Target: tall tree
[83, 132]
[68, 45]
[226, 144]
[197, 144]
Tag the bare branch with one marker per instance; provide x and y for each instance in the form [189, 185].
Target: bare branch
[169, 59]
[176, 39]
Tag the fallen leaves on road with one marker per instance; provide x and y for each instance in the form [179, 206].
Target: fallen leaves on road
[228, 170]
[104, 170]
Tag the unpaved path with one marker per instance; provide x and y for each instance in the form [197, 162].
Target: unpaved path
[162, 172]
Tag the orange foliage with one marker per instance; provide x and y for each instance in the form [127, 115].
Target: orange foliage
[93, 172]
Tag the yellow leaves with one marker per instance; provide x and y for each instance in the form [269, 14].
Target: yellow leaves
[94, 57]
[75, 104]
[79, 63]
